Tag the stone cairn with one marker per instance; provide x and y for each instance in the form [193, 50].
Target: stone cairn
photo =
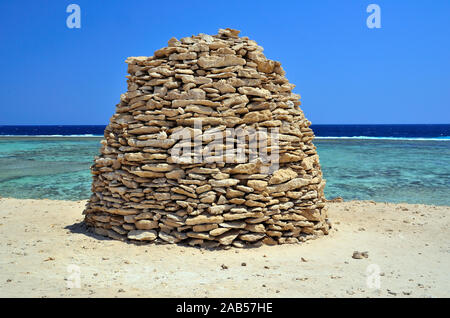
[207, 86]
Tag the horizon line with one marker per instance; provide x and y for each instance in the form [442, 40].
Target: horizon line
[362, 124]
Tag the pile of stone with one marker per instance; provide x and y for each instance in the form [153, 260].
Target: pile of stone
[203, 87]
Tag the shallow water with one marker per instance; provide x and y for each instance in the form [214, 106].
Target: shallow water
[387, 170]
[412, 171]
[54, 168]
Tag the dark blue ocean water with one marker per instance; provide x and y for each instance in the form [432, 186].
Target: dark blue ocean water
[383, 131]
[388, 163]
[53, 130]
[355, 131]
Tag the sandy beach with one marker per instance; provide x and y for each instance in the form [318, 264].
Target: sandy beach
[44, 245]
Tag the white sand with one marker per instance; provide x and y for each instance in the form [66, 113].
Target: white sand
[409, 244]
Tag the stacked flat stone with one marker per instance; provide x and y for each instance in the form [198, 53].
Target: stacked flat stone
[141, 193]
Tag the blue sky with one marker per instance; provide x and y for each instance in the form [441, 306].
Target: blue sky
[345, 72]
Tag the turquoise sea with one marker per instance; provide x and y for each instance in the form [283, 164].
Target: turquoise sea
[386, 170]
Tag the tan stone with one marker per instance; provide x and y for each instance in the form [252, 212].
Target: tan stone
[148, 174]
[228, 237]
[224, 87]
[282, 175]
[247, 168]
[199, 235]
[220, 61]
[160, 167]
[175, 174]
[203, 188]
[218, 231]
[308, 162]
[203, 219]
[141, 235]
[204, 227]
[257, 185]
[146, 224]
[240, 216]
[288, 157]
[223, 183]
[255, 91]
[257, 116]
[258, 228]
[216, 209]
[290, 185]
[168, 238]
[269, 241]
[233, 225]
[252, 237]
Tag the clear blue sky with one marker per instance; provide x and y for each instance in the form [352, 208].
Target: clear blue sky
[345, 72]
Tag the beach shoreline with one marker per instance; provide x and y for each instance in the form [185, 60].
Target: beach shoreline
[44, 246]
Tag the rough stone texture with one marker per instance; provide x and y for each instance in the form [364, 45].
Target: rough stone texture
[142, 192]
